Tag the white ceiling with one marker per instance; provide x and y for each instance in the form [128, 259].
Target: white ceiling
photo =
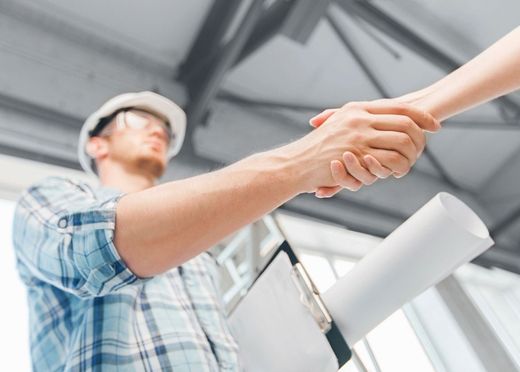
[160, 29]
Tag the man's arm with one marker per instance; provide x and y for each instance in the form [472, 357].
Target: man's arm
[166, 225]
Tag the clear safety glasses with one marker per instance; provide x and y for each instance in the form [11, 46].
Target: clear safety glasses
[138, 119]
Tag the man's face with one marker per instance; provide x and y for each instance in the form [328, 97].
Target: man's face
[138, 140]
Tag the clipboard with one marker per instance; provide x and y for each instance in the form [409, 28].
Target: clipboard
[281, 324]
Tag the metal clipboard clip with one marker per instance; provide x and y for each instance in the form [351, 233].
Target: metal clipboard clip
[310, 298]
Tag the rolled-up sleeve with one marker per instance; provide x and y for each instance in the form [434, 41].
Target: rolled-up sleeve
[63, 235]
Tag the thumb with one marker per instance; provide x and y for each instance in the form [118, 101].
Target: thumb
[321, 118]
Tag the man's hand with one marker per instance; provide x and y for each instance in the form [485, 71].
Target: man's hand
[356, 169]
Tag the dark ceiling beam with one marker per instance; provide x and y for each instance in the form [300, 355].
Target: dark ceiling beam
[323, 216]
[268, 25]
[304, 17]
[208, 40]
[405, 36]
[347, 43]
[501, 258]
[480, 125]
[506, 222]
[41, 112]
[38, 156]
[314, 109]
[258, 26]
[268, 105]
[199, 103]
[347, 212]
[442, 172]
[296, 19]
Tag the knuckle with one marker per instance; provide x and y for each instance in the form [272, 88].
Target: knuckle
[405, 141]
[352, 104]
[395, 158]
[357, 137]
[408, 122]
[362, 119]
[400, 107]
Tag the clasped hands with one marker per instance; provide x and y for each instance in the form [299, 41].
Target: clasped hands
[386, 139]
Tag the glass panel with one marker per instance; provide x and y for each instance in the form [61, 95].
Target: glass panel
[319, 270]
[496, 293]
[396, 346]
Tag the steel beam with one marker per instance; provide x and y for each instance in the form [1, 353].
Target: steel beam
[269, 105]
[208, 41]
[38, 156]
[199, 104]
[506, 222]
[336, 27]
[304, 18]
[347, 212]
[268, 25]
[272, 105]
[441, 171]
[295, 19]
[500, 257]
[41, 112]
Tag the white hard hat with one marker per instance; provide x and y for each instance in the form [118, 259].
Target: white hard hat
[144, 100]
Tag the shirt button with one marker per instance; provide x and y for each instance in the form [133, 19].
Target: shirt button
[62, 223]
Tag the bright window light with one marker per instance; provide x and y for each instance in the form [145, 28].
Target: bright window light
[14, 335]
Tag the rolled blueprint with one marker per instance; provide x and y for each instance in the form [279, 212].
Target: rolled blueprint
[444, 234]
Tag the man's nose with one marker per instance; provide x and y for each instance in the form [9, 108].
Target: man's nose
[158, 131]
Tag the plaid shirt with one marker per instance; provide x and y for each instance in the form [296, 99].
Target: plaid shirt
[88, 311]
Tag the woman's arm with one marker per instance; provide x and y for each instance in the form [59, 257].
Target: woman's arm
[493, 73]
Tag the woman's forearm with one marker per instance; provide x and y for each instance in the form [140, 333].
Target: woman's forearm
[491, 74]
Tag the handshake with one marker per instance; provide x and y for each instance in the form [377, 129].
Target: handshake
[361, 142]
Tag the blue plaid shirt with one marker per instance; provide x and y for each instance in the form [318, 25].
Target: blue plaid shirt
[88, 311]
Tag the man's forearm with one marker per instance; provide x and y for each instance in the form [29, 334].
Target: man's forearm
[493, 73]
[166, 225]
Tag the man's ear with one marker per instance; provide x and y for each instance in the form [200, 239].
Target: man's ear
[97, 147]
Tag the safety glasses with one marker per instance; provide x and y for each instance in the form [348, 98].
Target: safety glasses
[138, 119]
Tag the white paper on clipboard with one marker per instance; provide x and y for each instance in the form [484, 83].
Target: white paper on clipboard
[275, 331]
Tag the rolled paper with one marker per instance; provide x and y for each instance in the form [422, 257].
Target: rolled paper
[441, 236]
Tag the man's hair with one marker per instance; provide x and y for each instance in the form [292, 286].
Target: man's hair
[104, 121]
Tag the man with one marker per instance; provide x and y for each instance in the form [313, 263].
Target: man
[117, 275]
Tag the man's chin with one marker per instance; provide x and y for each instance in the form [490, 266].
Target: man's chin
[152, 165]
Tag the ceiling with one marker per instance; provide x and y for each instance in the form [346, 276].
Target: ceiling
[250, 74]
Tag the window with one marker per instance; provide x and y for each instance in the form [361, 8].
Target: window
[14, 335]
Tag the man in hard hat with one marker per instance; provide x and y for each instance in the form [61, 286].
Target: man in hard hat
[117, 275]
